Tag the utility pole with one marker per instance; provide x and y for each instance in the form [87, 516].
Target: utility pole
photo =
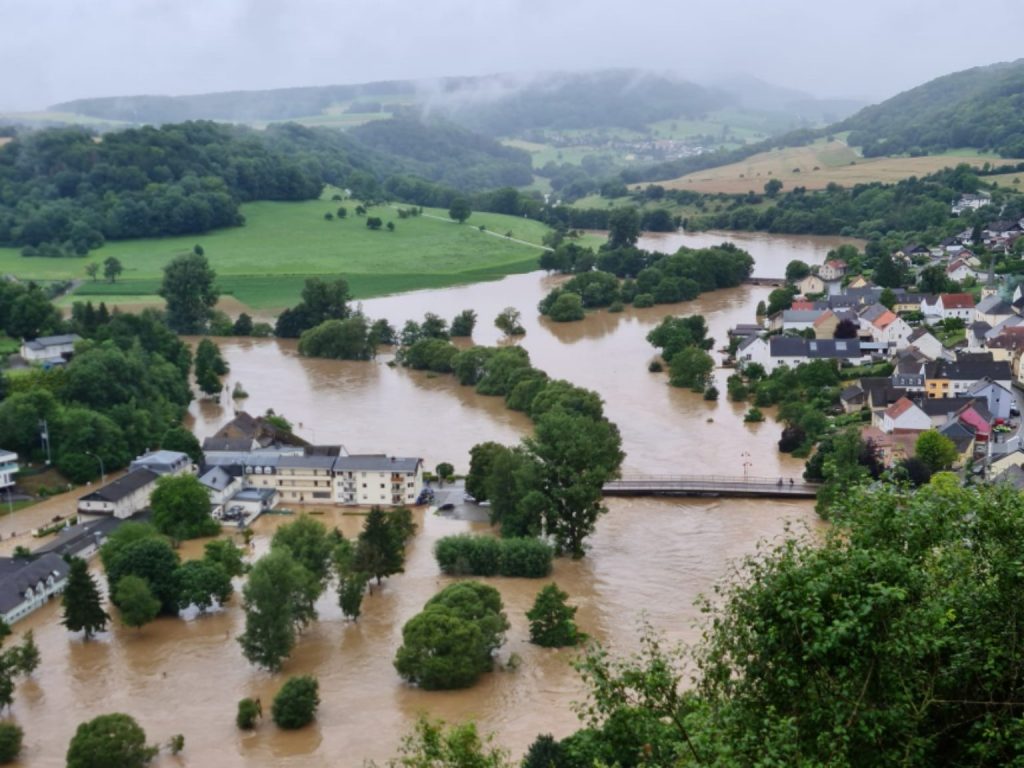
[44, 435]
[103, 474]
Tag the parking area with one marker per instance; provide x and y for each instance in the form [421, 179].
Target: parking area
[454, 494]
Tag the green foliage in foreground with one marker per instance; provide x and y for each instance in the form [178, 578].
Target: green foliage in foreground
[468, 555]
[894, 641]
[432, 745]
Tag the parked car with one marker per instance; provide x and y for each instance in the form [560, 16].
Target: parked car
[447, 507]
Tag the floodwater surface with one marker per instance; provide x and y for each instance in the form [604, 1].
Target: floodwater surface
[649, 560]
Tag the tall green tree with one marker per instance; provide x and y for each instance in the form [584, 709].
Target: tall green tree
[380, 548]
[576, 456]
[551, 619]
[459, 209]
[189, 290]
[296, 703]
[83, 610]
[181, 508]
[623, 227]
[110, 741]
[202, 583]
[136, 601]
[278, 598]
[936, 450]
[309, 544]
[112, 268]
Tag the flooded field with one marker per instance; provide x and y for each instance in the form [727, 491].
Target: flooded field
[649, 557]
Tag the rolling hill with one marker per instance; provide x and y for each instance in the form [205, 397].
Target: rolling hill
[982, 108]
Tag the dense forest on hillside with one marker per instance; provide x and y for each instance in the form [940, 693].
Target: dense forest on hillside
[446, 153]
[498, 105]
[614, 98]
[981, 107]
[65, 191]
[240, 106]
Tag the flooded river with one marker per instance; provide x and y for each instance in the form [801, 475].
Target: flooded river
[649, 556]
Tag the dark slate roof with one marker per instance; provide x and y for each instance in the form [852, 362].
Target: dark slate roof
[73, 539]
[851, 393]
[959, 434]
[17, 575]
[227, 444]
[216, 479]
[377, 462]
[306, 462]
[122, 487]
[973, 367]
[943, 406]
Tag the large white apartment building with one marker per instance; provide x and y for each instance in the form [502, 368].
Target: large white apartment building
[323, 476]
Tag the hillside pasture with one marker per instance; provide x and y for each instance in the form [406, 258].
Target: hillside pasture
[816, 166]
[264, 264]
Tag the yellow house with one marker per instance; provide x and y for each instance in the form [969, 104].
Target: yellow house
[825, 325]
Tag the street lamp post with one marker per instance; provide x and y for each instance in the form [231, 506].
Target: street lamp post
[746, 465]
[103, 474]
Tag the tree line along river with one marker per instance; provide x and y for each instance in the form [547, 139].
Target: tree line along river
[649, 557]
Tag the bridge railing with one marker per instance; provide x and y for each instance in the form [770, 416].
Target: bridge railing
[709, 479]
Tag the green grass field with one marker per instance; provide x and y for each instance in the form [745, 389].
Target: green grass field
[264, 263]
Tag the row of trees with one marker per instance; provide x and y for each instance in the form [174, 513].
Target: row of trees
[280, 594]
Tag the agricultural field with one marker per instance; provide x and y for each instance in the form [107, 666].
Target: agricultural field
[263, 264]
[1014, 180]
[815, 166]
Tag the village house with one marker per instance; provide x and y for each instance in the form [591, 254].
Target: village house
[27, 584]
[977, 335]
[926, 343]
[903, 414]
[825, 325]
[910, 370]
[999, 400]
[886, 327]
[954, 377]
[800, 319]
[993, 310]
[812, 284]
[1008, 346]
[833, 269]
[891, 448]
[956, 305]
[961, 437]
[8, 468]
[49, 350]
[791, 351]
[221, 486]
[79, 540]
[959, 270]
[908, 302]
[120, 498]
[164, 462]
[943, 410]
[970, 202]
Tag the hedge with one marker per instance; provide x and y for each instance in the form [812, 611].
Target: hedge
[467, 555]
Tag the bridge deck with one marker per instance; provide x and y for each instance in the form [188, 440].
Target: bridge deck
[709, 485]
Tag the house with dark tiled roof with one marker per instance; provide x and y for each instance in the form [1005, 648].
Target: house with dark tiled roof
[120, 498]
[954, 377]
[49, 349]
[791, 351]
[27, 584]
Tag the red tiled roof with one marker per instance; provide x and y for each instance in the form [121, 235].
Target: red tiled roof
[898, 408]
[884, 320]
[957, 301]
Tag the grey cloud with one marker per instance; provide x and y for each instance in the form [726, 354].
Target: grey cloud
[55, 50]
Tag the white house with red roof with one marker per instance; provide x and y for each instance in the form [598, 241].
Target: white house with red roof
[959, 305]
[903, 414]
[889, 328]
[960, 270]
[833, 269]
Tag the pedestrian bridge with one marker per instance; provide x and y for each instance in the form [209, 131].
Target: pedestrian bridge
[710, 485]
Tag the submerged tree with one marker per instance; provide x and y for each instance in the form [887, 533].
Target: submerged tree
[83, 610]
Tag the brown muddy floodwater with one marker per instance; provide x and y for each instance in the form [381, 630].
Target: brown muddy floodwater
[649, 557]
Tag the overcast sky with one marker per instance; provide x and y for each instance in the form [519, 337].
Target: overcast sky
[55, 50]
